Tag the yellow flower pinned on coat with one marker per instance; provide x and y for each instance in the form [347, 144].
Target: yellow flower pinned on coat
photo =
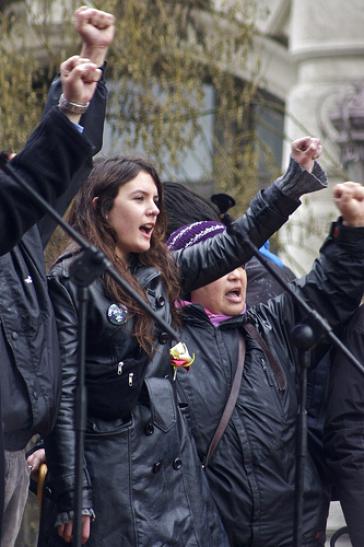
[180, 358]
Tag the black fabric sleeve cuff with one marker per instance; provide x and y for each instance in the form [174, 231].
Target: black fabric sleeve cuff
[296, 182]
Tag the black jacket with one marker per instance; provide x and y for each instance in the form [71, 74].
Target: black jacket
[55, 157]
[142, 474]
[344, 430]
[252, 471]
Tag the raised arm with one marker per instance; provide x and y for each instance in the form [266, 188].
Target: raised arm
[203, 263]
[344, 429]
[335, 284]
[53, 154]
[96, 29]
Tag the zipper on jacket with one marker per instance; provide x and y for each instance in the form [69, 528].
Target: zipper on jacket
[275, 367]
[131, 374]
[267, 372]
[120, 367]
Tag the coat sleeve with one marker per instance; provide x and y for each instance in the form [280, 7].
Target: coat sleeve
[334, 288]
[335, 285]
[51, 157]
[60, 444]
[93, 123]
[344, 431]
[209, 260]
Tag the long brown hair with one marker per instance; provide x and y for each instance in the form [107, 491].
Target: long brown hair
[89, 217]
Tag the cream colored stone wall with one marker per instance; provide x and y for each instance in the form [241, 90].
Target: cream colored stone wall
[326, 60]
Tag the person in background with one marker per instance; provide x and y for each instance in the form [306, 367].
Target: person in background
[54, 158]
[183, 206]
[344, 428]
[250, 457]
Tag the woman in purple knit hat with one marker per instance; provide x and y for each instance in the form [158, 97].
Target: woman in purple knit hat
[250, 459]
[142, 475]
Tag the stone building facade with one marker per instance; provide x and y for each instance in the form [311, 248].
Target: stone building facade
[312, 57]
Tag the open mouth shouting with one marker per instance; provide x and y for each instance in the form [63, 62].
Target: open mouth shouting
[234, 295]
[147, 229]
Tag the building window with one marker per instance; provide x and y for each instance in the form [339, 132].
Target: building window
[263, 124]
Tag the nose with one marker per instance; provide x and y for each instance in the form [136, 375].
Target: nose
[153, 209]
[237, 273]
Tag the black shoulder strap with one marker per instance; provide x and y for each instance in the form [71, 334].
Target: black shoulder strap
[230, 403]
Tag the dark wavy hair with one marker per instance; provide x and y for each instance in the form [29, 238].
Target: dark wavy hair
[89, 217]
[183, 206]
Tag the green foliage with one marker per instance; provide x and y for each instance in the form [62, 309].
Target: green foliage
[163, 53]
[29, 56]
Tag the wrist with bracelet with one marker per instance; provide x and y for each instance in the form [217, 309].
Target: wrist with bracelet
[69, 107]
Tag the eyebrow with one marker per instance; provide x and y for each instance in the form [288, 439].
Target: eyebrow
[144, 192]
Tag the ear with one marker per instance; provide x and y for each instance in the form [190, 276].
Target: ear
[94, 201]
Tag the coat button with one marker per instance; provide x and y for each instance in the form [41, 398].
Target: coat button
[160, 302]
[149, 429]
[177, 464]
[163, 337]
[157, 467]
[14, 335]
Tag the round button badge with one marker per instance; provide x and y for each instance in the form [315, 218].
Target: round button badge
[117, 314]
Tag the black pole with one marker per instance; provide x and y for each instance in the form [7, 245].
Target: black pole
[304, 340]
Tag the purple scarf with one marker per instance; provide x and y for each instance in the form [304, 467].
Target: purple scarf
[215, 318]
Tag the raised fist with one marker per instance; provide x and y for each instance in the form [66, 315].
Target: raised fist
[79, 77]
[97, 29]
[349, 199]
[305, 151]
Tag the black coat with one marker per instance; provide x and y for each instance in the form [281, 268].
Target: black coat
[252, 471]
[55, 156]
[142, 473]
[344, 430]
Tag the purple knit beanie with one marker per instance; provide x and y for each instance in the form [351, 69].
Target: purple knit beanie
[189, 235]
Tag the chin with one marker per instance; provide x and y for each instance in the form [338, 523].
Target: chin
[140, 247]
[234, 310]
